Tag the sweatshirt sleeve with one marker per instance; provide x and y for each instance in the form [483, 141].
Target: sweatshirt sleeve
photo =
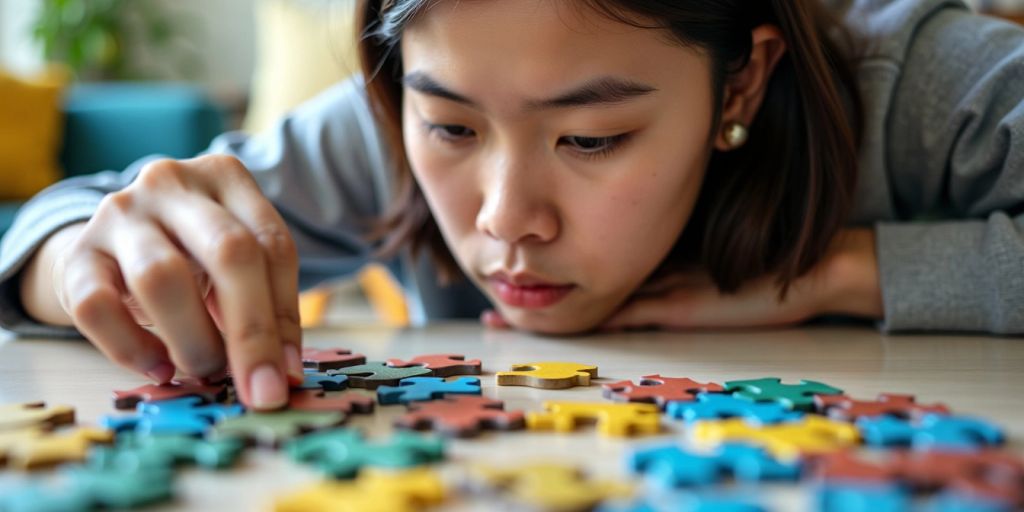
[954, 257]
[323, 167]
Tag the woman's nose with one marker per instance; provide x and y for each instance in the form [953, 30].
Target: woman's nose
[517, 206]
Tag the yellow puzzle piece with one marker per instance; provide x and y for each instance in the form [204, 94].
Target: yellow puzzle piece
[551, 487]
[613, 419]
[19, 416]
[548, 375]
[811, 435]
[375, 490]
[32, 448]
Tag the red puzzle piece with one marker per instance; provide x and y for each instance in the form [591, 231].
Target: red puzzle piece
[659, 390]
[441, 365]
[330, 359]
[173, 389]
[461, 416]
[318, 400]
[842, 407]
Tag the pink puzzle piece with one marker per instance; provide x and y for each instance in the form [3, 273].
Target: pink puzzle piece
[173, 389]
[658, 390]
[317, 400]
[842, 407]
[330, 359]
[441, 365]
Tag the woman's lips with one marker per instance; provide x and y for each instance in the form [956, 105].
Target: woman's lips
[532, 296]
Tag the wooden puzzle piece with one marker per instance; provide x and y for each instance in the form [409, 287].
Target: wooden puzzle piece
[930, 431]
[551, 487]
[181, 416]
[33, 448]
[863, 497]
[690, 500]
[322, 360]
[170, 390]
[145, 453]
[786, 441]
[348, 402]
[441, 365]
[461, 416]
[793, 396]
[669, 466]
[658, 390]
[377, 373]
[77, 488]
[418, 389]
[322, 381]
[34, 414]
[719, 406]
[612, 419]
[270, 429]
[374, 491]
[341, 452]
[548, 375]
[842, 407]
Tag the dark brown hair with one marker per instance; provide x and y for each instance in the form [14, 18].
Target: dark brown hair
[772, 206]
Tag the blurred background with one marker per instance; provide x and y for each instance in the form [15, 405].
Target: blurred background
[89, 85]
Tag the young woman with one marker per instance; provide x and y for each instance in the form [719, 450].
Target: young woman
[585, 164]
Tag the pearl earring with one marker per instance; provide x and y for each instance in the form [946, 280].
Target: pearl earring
[735, 134]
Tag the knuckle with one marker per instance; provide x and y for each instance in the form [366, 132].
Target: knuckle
[120, 202]
[234, 246]
[156, 274]
[159, 174]
[93, 305]
[278, 245]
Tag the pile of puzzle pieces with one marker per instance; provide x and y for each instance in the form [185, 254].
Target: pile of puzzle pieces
[746, 431]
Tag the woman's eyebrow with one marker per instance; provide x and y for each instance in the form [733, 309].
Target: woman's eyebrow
[598, 91]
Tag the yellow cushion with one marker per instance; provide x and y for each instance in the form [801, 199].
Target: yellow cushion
[302, 48]
[31, 127]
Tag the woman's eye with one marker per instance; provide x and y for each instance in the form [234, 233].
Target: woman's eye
[593, 147]
[450, 132]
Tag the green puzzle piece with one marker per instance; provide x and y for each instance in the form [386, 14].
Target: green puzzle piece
[272, 428]
[377, 373]
[770, 389]
[341, 452]
[143, 453]
[77, 488]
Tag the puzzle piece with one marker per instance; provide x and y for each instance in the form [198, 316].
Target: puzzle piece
[181, 416]
[34, 414]
[792, 396]
[322, 360]
[169, 390]
[461, 416]
[719, 406]
[313, 400]
[418, 389]
[377, 373]
[842, 407]
[702, 500]
[341, 452]
[374, 491]
[786, 441]
[612, 419]
[144, 453]
[957, 502]
[548, 375]
[34, 448]
[553, 487]
[76, 488]
[658, 390]
[669, 466]
[862, 497]
[441, 365]
[930, 431]
[323, 381]
[270, 429]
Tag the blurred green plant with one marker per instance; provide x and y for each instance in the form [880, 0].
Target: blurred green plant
[118, 39]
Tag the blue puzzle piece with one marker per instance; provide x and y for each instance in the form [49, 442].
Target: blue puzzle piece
[949, 501]
[669, 466]
[313, 379]
[720, 406]
[931, 431]
[416, 389]
[688, 501]
[181, 416]
[862, 497]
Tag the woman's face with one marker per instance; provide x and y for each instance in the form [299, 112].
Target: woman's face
[560, 152]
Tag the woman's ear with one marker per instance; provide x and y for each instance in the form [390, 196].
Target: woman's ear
[744, 90]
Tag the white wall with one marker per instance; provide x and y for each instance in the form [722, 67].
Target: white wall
[225, 31]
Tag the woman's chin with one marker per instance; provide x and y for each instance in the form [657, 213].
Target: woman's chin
[553, 324]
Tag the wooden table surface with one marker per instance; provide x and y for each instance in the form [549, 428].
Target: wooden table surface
[975, 375]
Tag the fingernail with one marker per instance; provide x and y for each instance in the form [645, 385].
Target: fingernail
[161, 373]
[294, 362]
[267, 389]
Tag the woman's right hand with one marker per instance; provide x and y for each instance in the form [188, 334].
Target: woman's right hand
[146, 256]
